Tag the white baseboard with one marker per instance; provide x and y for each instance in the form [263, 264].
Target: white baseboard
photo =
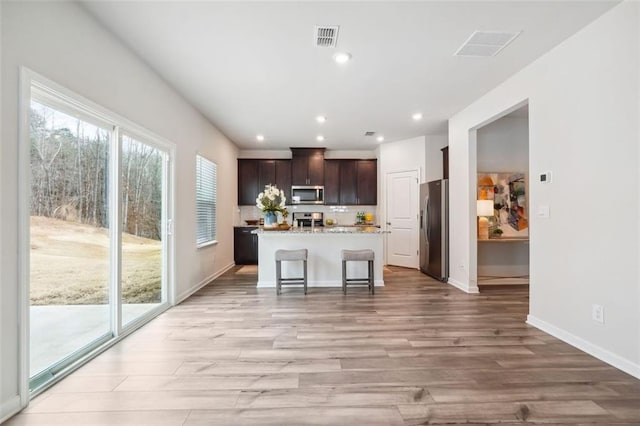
[182, 296]
[464, 287]
[9, 408]
[335, 283]
[588, 347]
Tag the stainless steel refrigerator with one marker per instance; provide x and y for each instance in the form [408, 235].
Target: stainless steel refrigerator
[434, 229]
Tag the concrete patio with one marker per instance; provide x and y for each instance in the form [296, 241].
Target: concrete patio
[58, 331]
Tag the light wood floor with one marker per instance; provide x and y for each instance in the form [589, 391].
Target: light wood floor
[418, 352]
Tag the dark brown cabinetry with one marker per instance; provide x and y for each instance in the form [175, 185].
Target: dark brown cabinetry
[247, 182]
[351, 182]
[253, 175]
[348, 182]
[445, 162]
[367, 182]
[245, 246]
[283, 177]
[275, 172]
[307, 166]
[332, 182]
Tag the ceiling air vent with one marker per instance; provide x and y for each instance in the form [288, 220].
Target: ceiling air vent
[369, 133]
[486, 43]
[325, 36]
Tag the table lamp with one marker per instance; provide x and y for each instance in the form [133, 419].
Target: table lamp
[485, 210]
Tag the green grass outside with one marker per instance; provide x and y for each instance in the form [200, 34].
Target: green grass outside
[69, 265]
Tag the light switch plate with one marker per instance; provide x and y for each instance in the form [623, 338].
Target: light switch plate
[545, 177]
[543, 212]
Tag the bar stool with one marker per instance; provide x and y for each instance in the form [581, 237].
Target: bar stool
[290, 255]
[355, 256]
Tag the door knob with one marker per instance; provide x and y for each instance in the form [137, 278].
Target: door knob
[389, 223]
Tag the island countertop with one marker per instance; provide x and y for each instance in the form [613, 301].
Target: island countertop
[323, 230]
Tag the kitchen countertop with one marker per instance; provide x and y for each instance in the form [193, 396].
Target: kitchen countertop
[325, 230]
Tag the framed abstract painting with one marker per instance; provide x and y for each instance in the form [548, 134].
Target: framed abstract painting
[508, 193]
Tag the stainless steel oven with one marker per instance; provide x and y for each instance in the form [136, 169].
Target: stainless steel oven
[308, 219]
[307, 194]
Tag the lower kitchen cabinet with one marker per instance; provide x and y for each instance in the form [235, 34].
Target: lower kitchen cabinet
[245, 245]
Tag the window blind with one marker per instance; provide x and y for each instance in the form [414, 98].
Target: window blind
[206, 200]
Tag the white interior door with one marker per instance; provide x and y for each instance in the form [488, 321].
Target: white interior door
[402, 218]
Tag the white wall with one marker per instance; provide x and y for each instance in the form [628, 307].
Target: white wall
[402, 155]
[433, 156]
[329, 154]
[271, 154]
[503, 146]
[583, 116]
[61, 42]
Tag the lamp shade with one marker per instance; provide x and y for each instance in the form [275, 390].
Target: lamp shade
[485, 207]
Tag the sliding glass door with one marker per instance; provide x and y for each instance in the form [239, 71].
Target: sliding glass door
[69, 232]
[98, 252]
[143, 206]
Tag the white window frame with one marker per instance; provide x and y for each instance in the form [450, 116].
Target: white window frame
[204, 198]
[32, 83]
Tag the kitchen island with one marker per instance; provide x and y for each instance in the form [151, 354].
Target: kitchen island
[324, 265]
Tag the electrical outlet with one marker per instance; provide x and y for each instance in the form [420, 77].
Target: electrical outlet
[597, 313]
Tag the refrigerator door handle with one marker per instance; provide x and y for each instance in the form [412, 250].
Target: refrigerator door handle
[426, 220]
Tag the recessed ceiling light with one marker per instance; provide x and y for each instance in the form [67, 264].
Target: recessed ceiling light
[319, 138]
[380, 138]
[321, 119]
[260, 137]
[417, 116]
[342, 57]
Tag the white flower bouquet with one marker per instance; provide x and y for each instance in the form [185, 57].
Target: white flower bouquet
[271, 200]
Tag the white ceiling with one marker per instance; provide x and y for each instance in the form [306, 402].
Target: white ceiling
[252, 67]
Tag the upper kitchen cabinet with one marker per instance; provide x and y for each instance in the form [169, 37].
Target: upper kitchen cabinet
[332, 182]
[247, 182]
[445, 162]
[307, 166]
[367, 177]
[283, 177]
[350, 182]
[253, 175]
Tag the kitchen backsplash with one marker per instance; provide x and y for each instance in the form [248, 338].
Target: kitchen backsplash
[342, 215]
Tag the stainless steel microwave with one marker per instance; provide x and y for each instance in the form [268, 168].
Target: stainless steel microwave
[307, 194]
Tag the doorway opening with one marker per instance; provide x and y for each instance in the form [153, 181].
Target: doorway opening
[502, 155]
